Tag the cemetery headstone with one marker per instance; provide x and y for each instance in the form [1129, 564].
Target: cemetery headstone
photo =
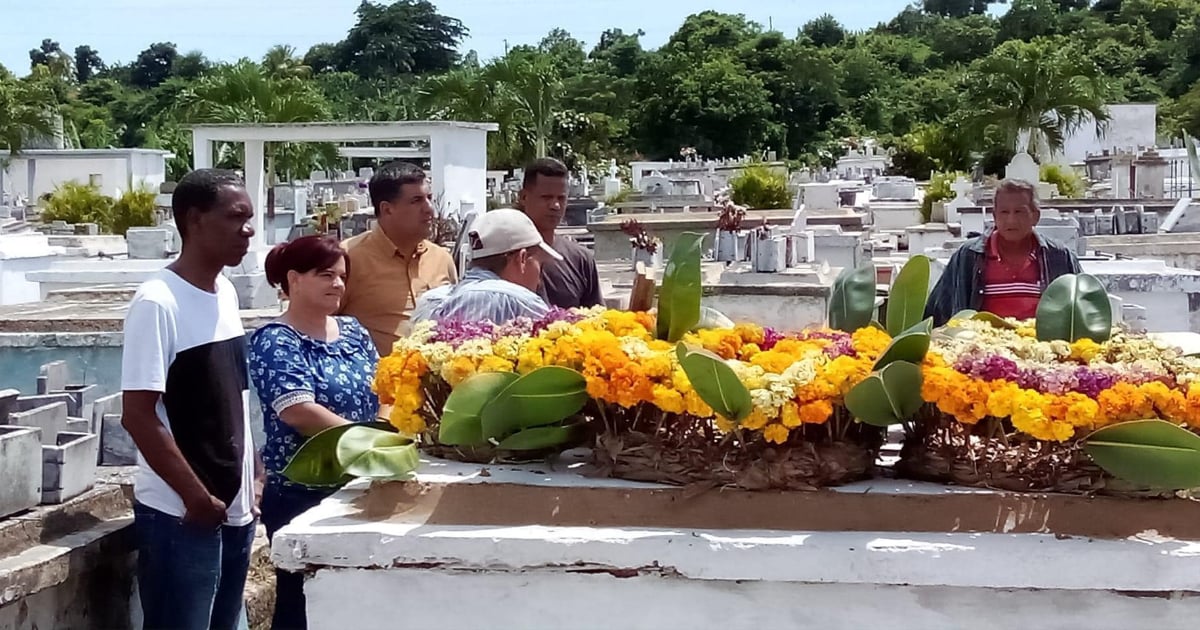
[52, 377]
[1022, 167]
[51, 419]
[148, 243]
[7, 398]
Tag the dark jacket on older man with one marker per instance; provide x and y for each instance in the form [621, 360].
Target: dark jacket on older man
[961, 284]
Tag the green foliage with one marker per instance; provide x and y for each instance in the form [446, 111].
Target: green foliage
[911, 345]
[947, 84]
[909, 292]
[852, 299]
[135, 208]
[715, 382]
[1150, 453]
[761, 187]
[1073, 307]
[888, 396]
[77, 203]
[337, 454]
[512, 411]
[1068, 182]
[679, 296]
[80, 203]
[938, 190]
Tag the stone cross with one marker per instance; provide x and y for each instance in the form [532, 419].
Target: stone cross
[962, 188]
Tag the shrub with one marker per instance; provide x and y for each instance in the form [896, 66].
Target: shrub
[938, 190]
[81, 203]
[135, 208]
[1068, 181]
[760, 187]
[77, 203]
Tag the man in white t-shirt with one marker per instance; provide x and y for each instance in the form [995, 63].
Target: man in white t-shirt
[185, 386]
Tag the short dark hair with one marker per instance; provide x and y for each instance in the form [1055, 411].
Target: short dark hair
[315, 251]
[548, 167]
[197, 191]
[388, 180]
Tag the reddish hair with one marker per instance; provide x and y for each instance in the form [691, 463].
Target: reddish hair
[317, 251]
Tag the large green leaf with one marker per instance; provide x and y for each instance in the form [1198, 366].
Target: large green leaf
[911, 345]
[852, 300]
[907, 297]
[544, 396]
[715, 382]
[316, 462]
[398, 461]
[1152, 453]
[679, 296]
[538, 438]
[462, 415]
[1074, 306]
[888, 396]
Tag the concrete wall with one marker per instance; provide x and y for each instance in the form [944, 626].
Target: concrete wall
[1132, 125]
[462, 154]
[114, 171]
[560, 599]
[15, 288]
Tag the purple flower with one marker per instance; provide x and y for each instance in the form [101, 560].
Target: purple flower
[1090, 382]
[771, 337]
[455, 332]
[840, 344]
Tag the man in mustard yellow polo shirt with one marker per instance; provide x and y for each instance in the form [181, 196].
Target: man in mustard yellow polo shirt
[394, 263]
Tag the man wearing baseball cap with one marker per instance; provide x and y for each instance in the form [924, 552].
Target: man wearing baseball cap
[502, 279]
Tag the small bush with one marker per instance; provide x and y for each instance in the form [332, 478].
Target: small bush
[938, 190]
[1068, 182]
[135, 208]
[761, 188]
[77, 203]
[80, 203]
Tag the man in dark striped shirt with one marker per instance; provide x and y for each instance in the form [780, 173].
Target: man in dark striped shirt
[1005, 270]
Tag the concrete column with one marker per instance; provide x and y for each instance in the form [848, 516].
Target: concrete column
[202, 150]
[256, 186]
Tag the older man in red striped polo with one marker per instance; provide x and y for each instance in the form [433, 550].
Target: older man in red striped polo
[1005, 270]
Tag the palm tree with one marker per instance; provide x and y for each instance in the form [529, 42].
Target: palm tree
[533, 86]
[284, 61]
[246, 93]
[1035, 95]
[468, 94]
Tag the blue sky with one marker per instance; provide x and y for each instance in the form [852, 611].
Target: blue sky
[228, 29]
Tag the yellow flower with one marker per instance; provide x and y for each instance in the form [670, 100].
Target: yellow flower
[776, 433]
[756, 420]
[406, 421]
[1084, 349]
[791, 415]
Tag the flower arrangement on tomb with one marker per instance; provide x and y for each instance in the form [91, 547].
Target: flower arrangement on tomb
[1065, 402]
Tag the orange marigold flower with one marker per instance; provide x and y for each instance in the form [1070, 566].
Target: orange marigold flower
[776, 433]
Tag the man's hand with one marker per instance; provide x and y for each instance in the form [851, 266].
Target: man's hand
[207, 512]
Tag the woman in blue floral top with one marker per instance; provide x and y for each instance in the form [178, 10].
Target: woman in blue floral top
[312, 371]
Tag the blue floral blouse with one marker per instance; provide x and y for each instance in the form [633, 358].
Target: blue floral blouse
[289, 368]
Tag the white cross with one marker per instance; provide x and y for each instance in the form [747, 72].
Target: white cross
[962, 188]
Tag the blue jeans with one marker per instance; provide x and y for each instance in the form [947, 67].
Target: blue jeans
[281, 504]
[190, 578]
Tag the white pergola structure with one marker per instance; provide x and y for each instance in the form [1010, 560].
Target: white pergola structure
[457, 154]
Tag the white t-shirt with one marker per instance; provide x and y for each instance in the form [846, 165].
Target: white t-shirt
[189, 345]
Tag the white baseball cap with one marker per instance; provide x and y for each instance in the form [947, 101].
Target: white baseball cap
[505, 230]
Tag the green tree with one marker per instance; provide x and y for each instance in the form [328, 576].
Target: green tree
[245, 93]
[154, 65]
[824, 31]
[26, 112]
[404, 37]
[956, 8]
[282, 62]
[1035, 94]
[87, 64]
